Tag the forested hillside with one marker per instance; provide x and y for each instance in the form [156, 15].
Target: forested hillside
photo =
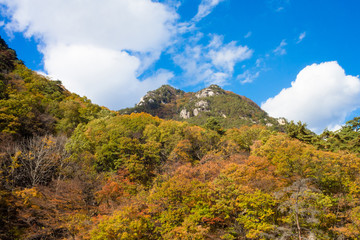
[73, 170]
[37, 115]
[32, 105]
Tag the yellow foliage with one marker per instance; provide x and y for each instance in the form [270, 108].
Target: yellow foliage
[27, 194]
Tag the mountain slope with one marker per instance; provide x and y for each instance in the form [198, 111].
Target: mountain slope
[36, 114]
[141, 177]
[228, 108]
[31, 104]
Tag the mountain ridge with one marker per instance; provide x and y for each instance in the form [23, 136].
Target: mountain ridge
[228, 108]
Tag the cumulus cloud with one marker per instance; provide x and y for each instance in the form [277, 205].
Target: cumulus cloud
[205, 8]
[301, 37]
[97, 48]
[280, 50]
[105, 75]
[139, 25]
[322, 96]
[212, 63]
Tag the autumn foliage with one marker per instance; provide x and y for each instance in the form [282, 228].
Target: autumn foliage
[70, 169]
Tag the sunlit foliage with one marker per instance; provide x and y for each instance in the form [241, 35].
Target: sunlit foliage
[70, 169]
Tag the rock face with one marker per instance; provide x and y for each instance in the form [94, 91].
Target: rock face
[201, 106]
[143, 101]
[281, 121]
[207, 92]
[213, 90]
[184, 114]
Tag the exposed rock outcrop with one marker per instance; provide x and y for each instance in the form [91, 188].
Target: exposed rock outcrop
[212, 90]
[185, 114]
[201, 106]
[281, 121]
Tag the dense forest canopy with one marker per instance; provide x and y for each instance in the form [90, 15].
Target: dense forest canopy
[73, 170]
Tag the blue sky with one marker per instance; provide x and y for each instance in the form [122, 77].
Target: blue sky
[295, 58]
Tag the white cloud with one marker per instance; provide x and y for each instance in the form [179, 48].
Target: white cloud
[186, 27]
[216, 41]
[301, 37]
[247, 77]
[194, 64]
[259, 62]
[213, 63]
[147, 60]
[248, 35]
[173, 3]
[280, 50]
[97, 48]
[219, 78]
[99, 73]
[138, 25]
[227, 56]
[205, 8]
[322, 95]
[103, 49]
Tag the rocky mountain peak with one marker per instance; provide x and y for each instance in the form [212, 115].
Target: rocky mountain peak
[228, 108]
[210, 91]
[164, 94]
